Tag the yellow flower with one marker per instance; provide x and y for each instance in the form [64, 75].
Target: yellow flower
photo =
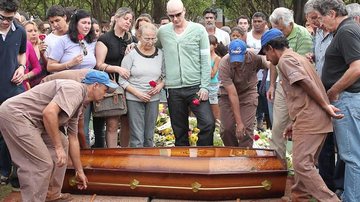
[196, 130]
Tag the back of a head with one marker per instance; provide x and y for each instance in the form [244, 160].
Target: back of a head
[324, 6]
[9, 5]
[282, 15]
[55, 10]
[353, 10]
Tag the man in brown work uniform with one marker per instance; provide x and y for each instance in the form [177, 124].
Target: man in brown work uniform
[57, 177]
[30, 124]
[310, 112]
[238, 94]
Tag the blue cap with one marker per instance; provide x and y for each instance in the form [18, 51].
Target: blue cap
[95, 76]
[237, 50]
[268, 36]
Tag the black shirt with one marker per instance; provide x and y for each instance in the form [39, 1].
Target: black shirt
[342, 51]
[13, 45]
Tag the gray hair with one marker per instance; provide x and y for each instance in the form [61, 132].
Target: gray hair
[325, 6]
[146, 26]
[309, 7]
[353, 9]
[282, 15]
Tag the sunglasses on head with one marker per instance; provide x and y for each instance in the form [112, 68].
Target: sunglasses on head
[175, 15]
[9, 19]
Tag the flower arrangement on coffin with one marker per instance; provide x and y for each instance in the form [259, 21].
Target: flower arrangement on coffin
[164, 135]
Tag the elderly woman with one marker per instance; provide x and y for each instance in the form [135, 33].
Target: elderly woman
[238, 94]
[76, 49]
[110, 51]
[145, 63]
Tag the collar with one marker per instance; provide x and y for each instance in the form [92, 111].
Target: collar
[293, 31]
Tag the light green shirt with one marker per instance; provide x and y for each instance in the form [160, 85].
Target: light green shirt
[187, 56]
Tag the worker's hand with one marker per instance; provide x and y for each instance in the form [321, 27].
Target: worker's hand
[61, 156]
[81, 177]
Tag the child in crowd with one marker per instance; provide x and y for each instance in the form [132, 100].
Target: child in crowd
[237, 33]
[214, 82]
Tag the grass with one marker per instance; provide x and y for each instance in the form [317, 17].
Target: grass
[5, 190]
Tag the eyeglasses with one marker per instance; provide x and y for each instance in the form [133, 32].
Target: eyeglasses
[176, 15]
[149, 39]
[9, 19]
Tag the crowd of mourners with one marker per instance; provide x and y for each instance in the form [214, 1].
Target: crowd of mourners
[265, 72]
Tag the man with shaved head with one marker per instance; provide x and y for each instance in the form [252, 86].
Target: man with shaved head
[187, 62]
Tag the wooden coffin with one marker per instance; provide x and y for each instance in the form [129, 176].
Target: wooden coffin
[196, 173]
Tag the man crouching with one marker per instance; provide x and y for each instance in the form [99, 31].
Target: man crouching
[30, 124]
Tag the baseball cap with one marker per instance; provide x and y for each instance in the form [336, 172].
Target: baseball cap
[237, 50]
[268, 36]
[95, 76]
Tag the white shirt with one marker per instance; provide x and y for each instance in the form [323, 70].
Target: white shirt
[222, 36]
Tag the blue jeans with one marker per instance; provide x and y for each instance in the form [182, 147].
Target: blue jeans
[347, 131]
[179, 102]
[5, 160]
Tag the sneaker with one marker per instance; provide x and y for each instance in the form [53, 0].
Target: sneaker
[4, 180]
[64, 197]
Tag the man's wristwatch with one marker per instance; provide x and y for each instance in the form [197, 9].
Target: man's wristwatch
[21, 65]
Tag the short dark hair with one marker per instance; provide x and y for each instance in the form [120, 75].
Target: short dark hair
[279, 43]
[259, 15]
[238, 29]
[69, 11]
[165, 17]
[55, 10]
[73, 32]
[242, 17]
[9, 5]
[210, 10]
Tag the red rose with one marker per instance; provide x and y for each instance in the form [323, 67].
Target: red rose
[80, 37]
[256, 137]
[196, 102]
[152, 84]
[42, 37]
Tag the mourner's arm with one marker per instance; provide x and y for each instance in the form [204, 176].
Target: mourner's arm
[51, 124]
[101, 51]
[273, 75]
[350, 77]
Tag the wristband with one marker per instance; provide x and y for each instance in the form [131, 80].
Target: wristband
[21, 65]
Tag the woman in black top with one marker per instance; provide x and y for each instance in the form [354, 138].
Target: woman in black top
[110, 50]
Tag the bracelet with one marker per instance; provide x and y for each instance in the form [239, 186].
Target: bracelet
[21, 65]
[66, 66]
[105, 68]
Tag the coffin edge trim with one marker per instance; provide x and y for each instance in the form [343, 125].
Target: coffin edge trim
[195, 187]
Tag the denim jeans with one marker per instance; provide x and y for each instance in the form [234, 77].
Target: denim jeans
[347, 131]
[5, 160]
[179, 102]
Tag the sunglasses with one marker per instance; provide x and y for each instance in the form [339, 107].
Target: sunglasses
[9, 19]
[176, 15]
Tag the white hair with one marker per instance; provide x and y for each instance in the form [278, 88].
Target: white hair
[282, 15]
[353, 10]
[309, 7]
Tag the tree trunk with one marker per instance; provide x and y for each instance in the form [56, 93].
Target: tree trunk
[158, 10]
[299, 11]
